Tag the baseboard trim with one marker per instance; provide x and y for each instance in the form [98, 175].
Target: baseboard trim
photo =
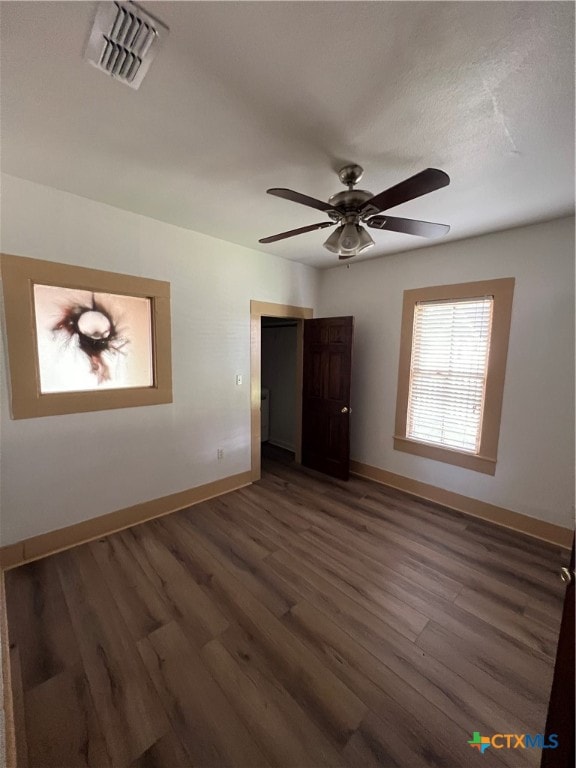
[7, 698]
[281, 444]
[64, 538]
[539, 529]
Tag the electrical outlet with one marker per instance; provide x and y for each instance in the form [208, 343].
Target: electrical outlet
[220, 453]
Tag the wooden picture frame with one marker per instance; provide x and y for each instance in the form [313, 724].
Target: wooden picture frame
[20, 276]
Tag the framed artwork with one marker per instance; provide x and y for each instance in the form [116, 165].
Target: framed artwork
[84, 340]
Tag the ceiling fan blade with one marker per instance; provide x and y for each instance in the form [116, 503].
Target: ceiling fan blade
[296, 197]
[409, 226]
[300, 231]
[416, 186]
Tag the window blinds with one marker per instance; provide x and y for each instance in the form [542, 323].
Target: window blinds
[450, 347]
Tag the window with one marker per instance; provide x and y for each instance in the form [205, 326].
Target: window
[450, 346]
[451, 375]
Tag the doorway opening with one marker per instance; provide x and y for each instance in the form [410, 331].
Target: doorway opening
[278, 378]
[287, 395]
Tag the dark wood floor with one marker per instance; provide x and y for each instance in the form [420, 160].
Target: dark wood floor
[298, 622]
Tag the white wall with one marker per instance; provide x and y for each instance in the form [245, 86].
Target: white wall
[535, 471]
[59, 470]
[279, 375]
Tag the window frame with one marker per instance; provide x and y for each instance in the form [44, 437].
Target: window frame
[502, 290]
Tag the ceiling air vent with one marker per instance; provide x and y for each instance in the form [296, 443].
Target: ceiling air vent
[124, 40]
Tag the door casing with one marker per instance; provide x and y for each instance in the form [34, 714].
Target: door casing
[259, 309]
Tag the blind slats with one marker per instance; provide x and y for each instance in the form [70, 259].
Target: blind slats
[450, 348]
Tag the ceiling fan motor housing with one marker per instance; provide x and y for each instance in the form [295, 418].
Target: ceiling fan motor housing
[350, 199]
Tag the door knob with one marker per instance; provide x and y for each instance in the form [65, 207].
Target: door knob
[346, 410]
[566, 575]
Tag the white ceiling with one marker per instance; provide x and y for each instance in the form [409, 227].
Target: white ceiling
[250, 95]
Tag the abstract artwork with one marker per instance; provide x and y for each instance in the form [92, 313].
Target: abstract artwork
[90, 341]
[82, 339]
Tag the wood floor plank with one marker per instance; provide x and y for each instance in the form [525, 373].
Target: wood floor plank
[68, 734]
[439, 573]
[449, 545]
[510, 545]
[375, 745]
[509, 663]
[372, 746]
[407, 518]
[411, 592]
[325, 518]
[512, 569]
[386, 561]
[195, 703]
[183, 597]
[496, 653]
[448, 561]
[540, 637]
[500, 606]
[211, 523]
[233, 542]
[284, 478]
[435, 682]
[546, 611]
[285, 732]
[368, 748]
[137, 598]
[432, 732]
[273, 527]
[227, 518]
[256, 578]
[461, 659]
[129, 713]
[385, 499]
[405, 619]
[39, 622]
[324, 696]
[289, 512]
[167, 752]
[459, 540]
[365, 552]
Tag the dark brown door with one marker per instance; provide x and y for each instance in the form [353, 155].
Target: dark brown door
[326, 395]
[560, 719]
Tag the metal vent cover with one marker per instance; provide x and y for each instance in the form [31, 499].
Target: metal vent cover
[124, 40]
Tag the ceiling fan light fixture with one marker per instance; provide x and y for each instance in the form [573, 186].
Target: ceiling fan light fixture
[332, 244]
[365, 239]
[348, 240]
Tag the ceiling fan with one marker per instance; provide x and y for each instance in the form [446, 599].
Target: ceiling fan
[353, 207]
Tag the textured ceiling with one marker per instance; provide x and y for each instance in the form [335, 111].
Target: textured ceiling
[250, 95]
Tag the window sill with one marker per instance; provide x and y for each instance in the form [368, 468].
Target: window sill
[477, 463]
